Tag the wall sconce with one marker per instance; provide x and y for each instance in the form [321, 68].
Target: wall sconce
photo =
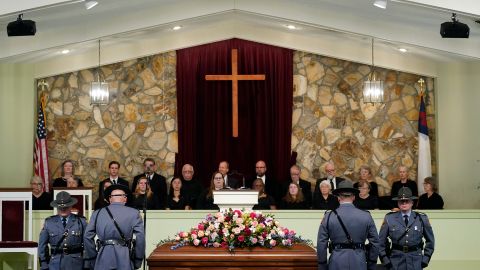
[373, 89]
[99, 94]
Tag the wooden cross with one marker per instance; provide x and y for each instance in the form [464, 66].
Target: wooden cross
[235, 77]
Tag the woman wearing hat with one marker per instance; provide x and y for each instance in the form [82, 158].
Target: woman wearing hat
[62, 236]
[406, 229]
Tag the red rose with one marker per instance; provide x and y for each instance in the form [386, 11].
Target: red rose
[224, 245]
[204, 240]
[247, 231]
[253, 215]
[200, 226]
[241, 238]
[238, 212]
[227, 219]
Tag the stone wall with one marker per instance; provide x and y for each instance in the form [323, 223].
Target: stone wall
[139, 121]
[331, 122]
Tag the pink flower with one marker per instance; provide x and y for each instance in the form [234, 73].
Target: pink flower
[196, 242]
[237, 212]
[194, 236]
[254, 223]
[201, 233]
[200, 226]
[204, 240]
[273, 243]
[241, 238]
[239, 221]
[253, 215]
[285, 231]
[253, 240]
[216, 244]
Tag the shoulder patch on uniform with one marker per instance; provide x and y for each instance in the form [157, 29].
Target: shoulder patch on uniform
[421, 213]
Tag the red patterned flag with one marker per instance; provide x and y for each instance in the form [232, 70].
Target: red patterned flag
[40, 156]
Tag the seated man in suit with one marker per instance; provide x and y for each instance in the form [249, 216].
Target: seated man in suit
[157, 182]
[271, 187]
[230, 180]
[305, 186]
[113, 178]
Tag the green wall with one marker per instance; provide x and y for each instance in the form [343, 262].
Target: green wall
[458, 127]
[17, 106]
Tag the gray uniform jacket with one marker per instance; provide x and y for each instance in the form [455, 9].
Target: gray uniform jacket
[360, 226]
[114, 256]
[394, 227]
[68, 253]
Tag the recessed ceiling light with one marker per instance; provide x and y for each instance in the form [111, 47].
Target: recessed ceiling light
[90, 4]
[403, 50]
[380, 4]
[291, 27]
[177, 27]
[65, 51]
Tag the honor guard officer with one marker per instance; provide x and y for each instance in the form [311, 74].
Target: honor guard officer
[64, 234]
[406, 230]
[348, 228]
[115, 226]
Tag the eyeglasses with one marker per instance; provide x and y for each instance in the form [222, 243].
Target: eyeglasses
[119, 195]
[333, 170]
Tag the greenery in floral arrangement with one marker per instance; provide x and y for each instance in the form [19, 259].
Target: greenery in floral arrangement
[232, 229]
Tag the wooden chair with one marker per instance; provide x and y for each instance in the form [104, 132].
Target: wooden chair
[84, 205]
[13, 202]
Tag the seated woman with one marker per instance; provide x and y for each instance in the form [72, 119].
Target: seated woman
[326, 200]
[40, 199]
[366, 176]
[101, 201]
[265, 201]
[68, 171]
[430, 199]
[175, 199]
[205, 200]
[294, 198]
[364, 200]
[143, 193]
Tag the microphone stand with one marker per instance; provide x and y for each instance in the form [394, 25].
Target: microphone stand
[145, 225]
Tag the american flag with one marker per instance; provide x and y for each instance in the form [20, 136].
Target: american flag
[40, 156]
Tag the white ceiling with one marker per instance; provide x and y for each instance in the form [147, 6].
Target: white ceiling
[344, 23]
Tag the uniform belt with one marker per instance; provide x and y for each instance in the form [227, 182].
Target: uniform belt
[119, 242]
[67, 249]
[406, 248]
[349, 246]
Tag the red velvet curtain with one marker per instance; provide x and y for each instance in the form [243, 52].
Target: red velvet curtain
[205, 114]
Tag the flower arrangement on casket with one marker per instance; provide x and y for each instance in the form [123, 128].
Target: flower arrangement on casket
[232, 229]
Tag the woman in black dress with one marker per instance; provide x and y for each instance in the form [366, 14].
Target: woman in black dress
[143, 193]
[366, 176]
[430, 199]
[205, 200]
[326, 200]
[176, 200]
[364, 199]
[67, 171]
[40, 199]
[294, 198]
[265, 201]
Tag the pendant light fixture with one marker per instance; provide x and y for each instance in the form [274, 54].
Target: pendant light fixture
[373, 88]
[99, 94]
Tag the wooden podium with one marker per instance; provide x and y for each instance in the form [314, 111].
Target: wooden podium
[235, 199]
[298, 257]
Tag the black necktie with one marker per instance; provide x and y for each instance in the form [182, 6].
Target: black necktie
[405, 218]
[64, 222]
[114, 182]
[331, 183]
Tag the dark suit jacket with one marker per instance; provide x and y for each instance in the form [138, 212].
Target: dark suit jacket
[235, 180]
[120, 181]
[158, 185]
